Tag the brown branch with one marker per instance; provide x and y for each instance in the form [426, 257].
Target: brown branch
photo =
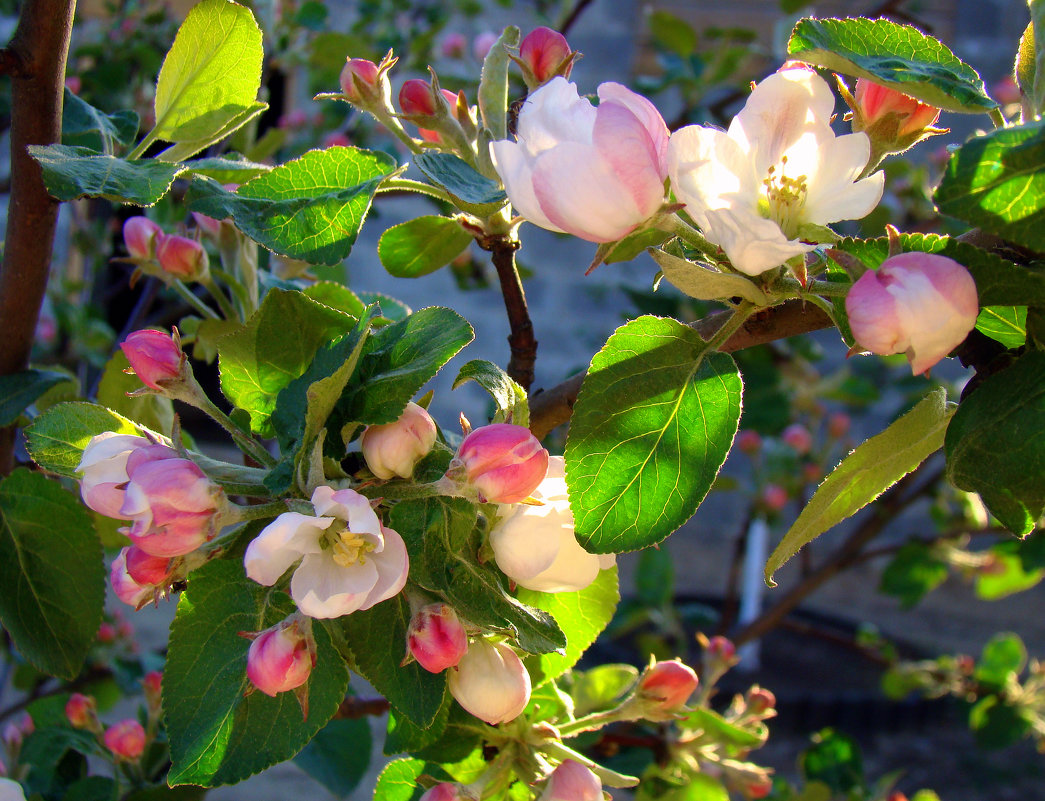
[362, 707]
[39, 47]
[521, 340]
[11, 63]
[553, 407]
[573, 16]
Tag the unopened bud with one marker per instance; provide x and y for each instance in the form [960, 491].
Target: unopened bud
[797, 436]
[282, 657]
[436, 638]
[395, 448]
[892, 115]
[572, 781]
[152, 687]
[504, 463]
[446, 791]
[126, 740]
[482, 43]
[182, 258]
[453, 45]
[760, 700]
[774, 497]
[365, 84]
[749, 442]
[141, 236]
[838, 425]
[106, 633]
[544, 54]
[417, 99]
[145, 568]
[154, 356]
[666, 686]
[80, 711]
[491, 682]
[721, 649]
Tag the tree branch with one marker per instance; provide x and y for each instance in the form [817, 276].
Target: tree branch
[39, 48]
[553, 407]
[521, 340]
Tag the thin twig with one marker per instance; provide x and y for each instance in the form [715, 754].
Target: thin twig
[521, 340]
[573, 16]
[362, 707]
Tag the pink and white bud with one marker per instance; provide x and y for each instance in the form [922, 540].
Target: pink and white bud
[436, 638]
[106, 633]
[366, 84]
[920, 304]
[503, 462]
[336, 139]
[394, 449]
[73, 83]
[876, 102]
[666, 686]
[749, 442]
[797, 436]
[126, 588]
[141, 236]
[446, 791]
[81, 711]
[720, 649]
[544, 54]
[145, 568]
[572, 781]
[417, 98]
[490, 682]
[182, 258]
[104, 468]
[126, 740]
[282, 657]
[154, 356]
[482, 44]
[453, 45]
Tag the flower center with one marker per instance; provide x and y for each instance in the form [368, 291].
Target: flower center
[784, 199]
[348, 548]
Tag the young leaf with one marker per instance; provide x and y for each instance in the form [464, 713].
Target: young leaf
[85, 126]
[912, 573]
[1005, 324]
[336, 296]
[475, 192]
[995, 443]
[51, 571]
[1002, 657]
[421, 245]
[219, 735]
[509, 397]
[231, 168]
[702, 283]
[866, 473]
[398, 781]
[57, 437]
[653, 423]
[20, 390]
[74, 172]
[898, 56]
[995, 181]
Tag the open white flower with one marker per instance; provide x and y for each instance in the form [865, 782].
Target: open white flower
[778, 167]
[349, 561]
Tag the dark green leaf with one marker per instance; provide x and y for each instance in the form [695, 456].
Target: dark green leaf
[510, 398]
[51, 572]
[996, 723]
[653, 423]
[898, 56]
[912, 573]
[404, 737]
[231, 168]
[476, 192]
[75, 172]
[338, 756]
[152, 411]
[1005, 324]
[85, 126]
[835, 760]
[219, 735]
[672, 33]
[20, 390]
[866, 473]
[995, 181]
[421, 245]
[57, 437]
[995, 444]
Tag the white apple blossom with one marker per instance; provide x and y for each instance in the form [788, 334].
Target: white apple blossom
[779, 167]
[348, 560]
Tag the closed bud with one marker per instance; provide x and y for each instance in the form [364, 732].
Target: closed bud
[126, 740]
[417, 98]
[774, 497]
[395, 448]
[503, 463]
[436, 638]
[453, 45]
[446, 791]
[721, 649]
[491, 682]
[666, 686]
[543, 54]
[141, 236]
[838, 425]
[572, 781]
[106, 633]
[145, 568]
[126, 588]
[892, 120]
[365, 84]
[104, 469]
[758, 787]
[155, 357]
[760, 700]
[81, 711]
[10, 790]
[482, 43]
[920, 304]
[812, 472]
[749, 442]
[797, 436]
[282, 657]
[152, 687]
[182, 258]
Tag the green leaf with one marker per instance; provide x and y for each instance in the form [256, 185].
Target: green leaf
[219, 735]
[601, 687]
[260, 359]
[336, 296]
[211, 73]
[1007, 574]
[85, 126]
[653, 423]
[866, 473]
[721, 729]
[898, 56]
[581, 615]
[835, 760]
[703, 283]
[995, 181]
[421, 246]
[377, 638]
[1036, 90]
[1025, 68]
[398, 781]
[18, 391]
[1005, 324]
[232, 119]
[635, 243]
[912, 573]
[510, 398]
[391, 309]
[231, 168]
[56, 438]
[310, 208]
[998, 282]
[995, 443]
[74, 172]
[1002, 659]
[152, 411]
[672, 33]
[402, 736]
[996, 723]
[51, 571]
[493, 84]
[475, 192]
[338, 756]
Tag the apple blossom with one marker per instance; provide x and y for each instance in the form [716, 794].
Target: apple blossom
[366, 84]
[140, 237]
[417, 98]
[104, 468]
[348, 560]
[490, 682]
[145, 568]
[282, 657]
[920, 304]
[760, 700]
[503, 463]
[445, 791]
[596, 173]
[572, 781]
[154, 356]
[778, 168]
[436, 638]
[395, 448]
[535, 545]
[129, 590]
[182, 258]
[125, 739]
[666, 686]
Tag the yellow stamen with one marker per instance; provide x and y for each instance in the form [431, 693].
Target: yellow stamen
[784, 199]
[349, 548]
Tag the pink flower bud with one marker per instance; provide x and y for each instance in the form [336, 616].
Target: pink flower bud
[920, 304]
[436, 638]
[811, 472]
[210, 226]
[106, 633]
[490, 682]
[760, 700]
[282, 657]
[73, 84]
[758, 787]
[395, 448]
[126, 588]
[141, 236]
[182, 258]
[797, 436]
[667, 685]
[80, 710]
[721, 648]
[572, 781]
[482, 44]
[417, 99]
[503, 462]
[749, 442]
[152, 687]
[875, 102]
[145, 568]
[545, 53]
[453, 45]
[774, 497]
[336, 139]
[838, 425]
[360, 78]
[445, 791]
[154, 357]
[298, 118]
[126, 740]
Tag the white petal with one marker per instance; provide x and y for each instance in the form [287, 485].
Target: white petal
[323, 589]
[833, 195]
[350, 506]
[516, 167]
[626, 146]
[553, 114]
[752, 243]
[281, 543]
[523, 547]
[709, 170]
[393, 565]
[645, 112]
